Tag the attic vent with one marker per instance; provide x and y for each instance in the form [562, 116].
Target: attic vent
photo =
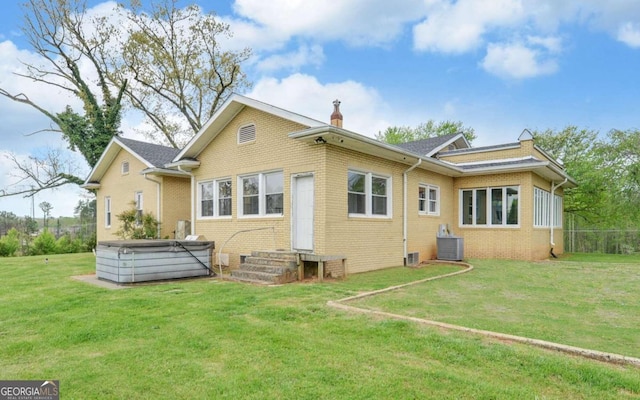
[413, 258]
[247, 133]
[125, 167]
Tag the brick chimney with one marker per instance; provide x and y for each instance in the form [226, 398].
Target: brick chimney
[336, 117]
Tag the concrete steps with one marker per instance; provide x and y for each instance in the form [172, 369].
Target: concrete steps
[268, 267]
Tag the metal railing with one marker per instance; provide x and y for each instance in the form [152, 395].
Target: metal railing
[273, 233]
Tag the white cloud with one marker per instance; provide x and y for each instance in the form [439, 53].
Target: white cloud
[629, 34]
[362, 107]
[304, 55]
[518, 60]
[458, 27]
[357, 22]
[551, 44]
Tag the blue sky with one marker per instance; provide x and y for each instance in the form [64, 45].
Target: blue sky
[498, 66]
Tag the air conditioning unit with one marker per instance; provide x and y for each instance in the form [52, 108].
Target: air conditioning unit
[413, 258]
[450, 248]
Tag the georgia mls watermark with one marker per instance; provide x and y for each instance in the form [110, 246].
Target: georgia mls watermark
[29, 390]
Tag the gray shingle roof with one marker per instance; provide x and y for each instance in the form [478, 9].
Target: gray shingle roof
[477, 149]
[157, 155]
[425, 146]
[498, 163]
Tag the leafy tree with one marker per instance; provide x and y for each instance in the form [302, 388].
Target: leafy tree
[30, 225]
[10, 243]
[8, 220]
[622, 151]
[85, 210]
[429, 129]
[45, 243]
[606, 195]
[46, 208]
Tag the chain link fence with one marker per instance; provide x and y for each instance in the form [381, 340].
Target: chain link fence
[610, 241]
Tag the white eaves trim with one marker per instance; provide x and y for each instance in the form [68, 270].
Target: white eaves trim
[499, 160]
[225, 114]
[350, 140]
[107, 157]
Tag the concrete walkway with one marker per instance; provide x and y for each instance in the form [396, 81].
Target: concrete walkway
[93, 280]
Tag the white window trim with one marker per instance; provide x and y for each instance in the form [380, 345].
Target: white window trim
[542, 208]
[427, 188]
[122, 168]
[461, 223]
[107, 212]
[262, 206]
[369, 195]
[216, 210]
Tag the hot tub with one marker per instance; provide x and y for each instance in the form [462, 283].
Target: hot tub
[130, 261]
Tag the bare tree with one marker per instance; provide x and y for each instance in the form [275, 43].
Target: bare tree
[166, 62]
[55, 30]
[179, 75]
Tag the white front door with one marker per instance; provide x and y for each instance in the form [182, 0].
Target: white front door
[302, 212]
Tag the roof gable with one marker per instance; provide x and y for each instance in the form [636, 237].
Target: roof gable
[430, 146]
[154, 154]
[151, 155]
[225, 114]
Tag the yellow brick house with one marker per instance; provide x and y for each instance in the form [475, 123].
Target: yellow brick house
[260, 177]
[131, 173]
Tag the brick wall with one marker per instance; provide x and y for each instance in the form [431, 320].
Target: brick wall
[271, 150]
[175, 204]
[122, 188]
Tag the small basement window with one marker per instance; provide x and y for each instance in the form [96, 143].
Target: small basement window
[247, 133]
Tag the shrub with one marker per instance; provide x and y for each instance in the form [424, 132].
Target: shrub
[45, 243]
[135, 225]
[67, 245]
[10, 243]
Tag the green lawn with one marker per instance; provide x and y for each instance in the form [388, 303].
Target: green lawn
[594, 305]
[208, 339]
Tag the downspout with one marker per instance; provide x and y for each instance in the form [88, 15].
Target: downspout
[191, 197]
[158, 202]
[404, 208]
[552, 213]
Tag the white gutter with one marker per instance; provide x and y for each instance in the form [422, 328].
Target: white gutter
[158, 202]
[552, 210]
[404, 208]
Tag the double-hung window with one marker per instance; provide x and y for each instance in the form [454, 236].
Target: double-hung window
[494, 206]
[428, 200]
[368, 194]
[215, 198]
[261, 194]
[139, 208]
[107, 212]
